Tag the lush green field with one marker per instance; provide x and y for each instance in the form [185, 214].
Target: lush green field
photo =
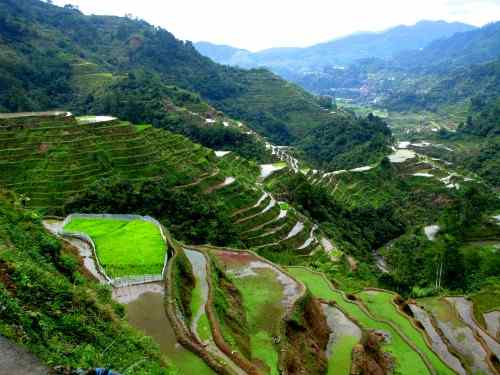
[381, 306]
[262, 296]
[340, 362]
[124, 248]
[408, 361]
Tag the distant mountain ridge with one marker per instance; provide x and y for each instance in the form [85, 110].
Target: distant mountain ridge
[473, 47]
[340, 51]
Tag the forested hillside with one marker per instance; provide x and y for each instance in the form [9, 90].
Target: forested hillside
[56, 57]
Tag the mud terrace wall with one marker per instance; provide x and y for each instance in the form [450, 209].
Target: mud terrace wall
[182, 331]
[126, 280]
[218, 336]
[236, 357]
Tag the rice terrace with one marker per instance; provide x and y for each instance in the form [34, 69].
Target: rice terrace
[177, 207]
[123, 247]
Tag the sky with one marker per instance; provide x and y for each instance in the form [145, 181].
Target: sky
[261, 24]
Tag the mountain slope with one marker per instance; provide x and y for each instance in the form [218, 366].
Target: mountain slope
[56, 57]
[465, 48]
[62, 41]
[448, 72]
[224, 54]
[53, 308]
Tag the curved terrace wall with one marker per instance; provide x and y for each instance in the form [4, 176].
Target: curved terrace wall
[288, 313]
[119, 281]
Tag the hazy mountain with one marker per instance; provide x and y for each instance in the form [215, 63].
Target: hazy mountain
[340, 51]
[473, 47]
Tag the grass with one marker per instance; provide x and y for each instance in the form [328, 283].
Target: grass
[284, 206]
[51, 159]
[381, 306]
[408, 362]
[262, 295]
[60, 316]
[141, 127]
[124, 248]
[203, 328]
[487, 299]
[440, 309]
[340, 361]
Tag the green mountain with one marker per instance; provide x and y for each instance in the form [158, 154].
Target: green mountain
[329, 224]
[442, 77]
[56, 57]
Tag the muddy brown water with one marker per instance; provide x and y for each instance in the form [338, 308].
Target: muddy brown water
[147, 313]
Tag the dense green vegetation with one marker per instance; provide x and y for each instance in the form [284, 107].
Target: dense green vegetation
[57, 158]
[347, 142]
[359, 229]
[460, 269]
[188, 214]
[123, 66]
[228, 304]
[484, 122]
[124, 248]
[185, 283]
[148, 100]
[185, 107]
[49, 306]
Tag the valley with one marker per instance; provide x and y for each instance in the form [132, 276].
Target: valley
[163, 214]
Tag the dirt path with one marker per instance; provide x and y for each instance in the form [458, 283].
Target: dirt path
[15, 360]
[227, 181]
[198, 181]
[353, 263]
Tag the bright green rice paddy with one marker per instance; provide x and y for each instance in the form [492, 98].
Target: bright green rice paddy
[124, 248]
[408, 361]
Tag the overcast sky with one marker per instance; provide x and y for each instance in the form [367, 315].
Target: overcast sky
[259, 24]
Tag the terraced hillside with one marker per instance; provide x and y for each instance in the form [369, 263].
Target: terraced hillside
[220, 324]
[54, 159]
[435, 339]
[51, 159]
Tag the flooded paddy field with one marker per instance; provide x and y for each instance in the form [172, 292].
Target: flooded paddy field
[268, 294]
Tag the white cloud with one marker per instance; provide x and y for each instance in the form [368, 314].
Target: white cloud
[259, 24]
